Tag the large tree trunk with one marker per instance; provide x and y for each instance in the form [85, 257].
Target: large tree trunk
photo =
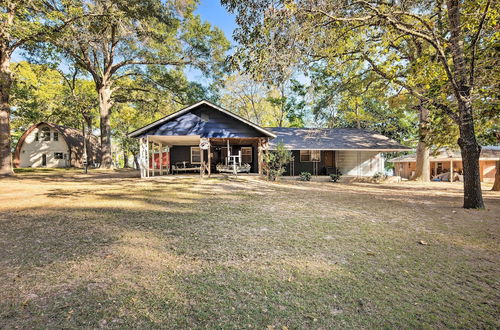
[125, 156]
[136, 162]
[422, 171]
[473, 197]
[496, 185]
[105, 113]
[5, 86]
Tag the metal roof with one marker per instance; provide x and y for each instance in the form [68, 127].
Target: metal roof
[333, 139]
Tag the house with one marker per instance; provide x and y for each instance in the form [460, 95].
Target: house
[446, 160]
[353, 152]
[207, 138]
[50, 145]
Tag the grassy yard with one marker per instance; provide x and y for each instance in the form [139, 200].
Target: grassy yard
[114, 251]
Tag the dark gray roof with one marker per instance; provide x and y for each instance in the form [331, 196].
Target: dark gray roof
[487, 152]
[333, 139]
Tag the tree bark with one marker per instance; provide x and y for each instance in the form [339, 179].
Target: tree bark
[125, 156]
[136, 161]
[470, 149]
[5, 139]
[104, 91]
[496, 185]
[422, 171]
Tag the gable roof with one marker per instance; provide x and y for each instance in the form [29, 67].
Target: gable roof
[333, 139]
[168, 118]
[447, 154]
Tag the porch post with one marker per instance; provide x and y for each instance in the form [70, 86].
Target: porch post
[260, 158]
[435, 168]
[451, 170]
[143, 156]
[161, 159]
[147, 156]
[209, 158]
[202, 166]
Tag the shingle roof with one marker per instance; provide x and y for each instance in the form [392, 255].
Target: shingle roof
[487, 152]
[74, 139]
[174, 115]
[333, 139]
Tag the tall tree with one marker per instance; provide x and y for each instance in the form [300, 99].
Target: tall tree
[443, 27]
[21, 22]
[129, 35]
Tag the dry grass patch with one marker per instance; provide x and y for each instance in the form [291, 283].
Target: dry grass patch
[112, 251]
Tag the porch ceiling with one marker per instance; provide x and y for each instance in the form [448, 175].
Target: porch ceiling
[180, 140]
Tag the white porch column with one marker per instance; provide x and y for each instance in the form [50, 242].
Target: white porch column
[451, 170]
[143, 156]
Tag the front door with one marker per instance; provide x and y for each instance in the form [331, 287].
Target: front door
[44, 160]
[329, 158]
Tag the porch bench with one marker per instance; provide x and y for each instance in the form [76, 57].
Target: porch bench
[184, 167]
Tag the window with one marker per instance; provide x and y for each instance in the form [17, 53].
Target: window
[310, 155]
[246, 155]
[36, 137]
[45, 134]
[55, 136]
[58, 155]
[195, 155]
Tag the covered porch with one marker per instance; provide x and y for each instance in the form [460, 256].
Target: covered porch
[168, 155]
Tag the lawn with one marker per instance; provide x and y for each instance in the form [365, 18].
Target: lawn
[114, 251]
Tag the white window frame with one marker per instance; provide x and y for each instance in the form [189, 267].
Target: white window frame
[197, 154]
[251, 154]
[310, 153]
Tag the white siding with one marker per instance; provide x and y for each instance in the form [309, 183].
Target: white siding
[360, 163]
[31, 151]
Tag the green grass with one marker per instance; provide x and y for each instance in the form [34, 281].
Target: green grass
[116, 251]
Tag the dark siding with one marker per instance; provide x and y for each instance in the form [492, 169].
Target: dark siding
[180, 154]
[218, 125]
[306, 166]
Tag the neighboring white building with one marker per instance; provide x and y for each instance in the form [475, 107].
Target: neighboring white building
[50, 145]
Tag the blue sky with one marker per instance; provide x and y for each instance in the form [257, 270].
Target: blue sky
[213, 12]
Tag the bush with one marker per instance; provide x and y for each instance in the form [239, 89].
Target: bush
[379, 176]
[336, 176]
[305, 176]
[275, 161]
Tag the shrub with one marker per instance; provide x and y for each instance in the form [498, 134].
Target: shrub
[305, 176]
[379, 176]
[336, 176]
[275, 162]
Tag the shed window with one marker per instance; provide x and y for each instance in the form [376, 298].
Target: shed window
[58, 155]
[45, 134]
[37, 137]
[55, 136]
[310, 155]
[246, 155]
[195, 155]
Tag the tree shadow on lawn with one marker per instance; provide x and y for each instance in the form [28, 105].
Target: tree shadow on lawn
[181, 255]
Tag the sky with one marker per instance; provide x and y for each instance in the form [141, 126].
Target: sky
[213, 12]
